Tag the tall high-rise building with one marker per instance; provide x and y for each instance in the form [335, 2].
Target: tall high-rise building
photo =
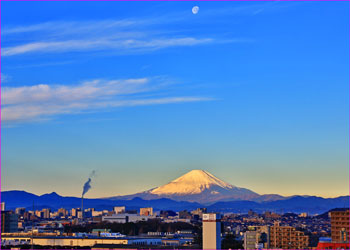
[211, 231]
[146, 211]
[340, 226]
[287, 237]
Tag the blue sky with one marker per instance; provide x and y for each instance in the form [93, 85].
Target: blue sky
[142, 92]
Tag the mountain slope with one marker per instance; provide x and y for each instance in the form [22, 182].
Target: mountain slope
[197, 186]
[194, 182]
[296, 204]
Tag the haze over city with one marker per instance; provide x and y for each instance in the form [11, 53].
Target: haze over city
[255, 93]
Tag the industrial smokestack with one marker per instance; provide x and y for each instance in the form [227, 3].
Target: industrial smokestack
[82, 207]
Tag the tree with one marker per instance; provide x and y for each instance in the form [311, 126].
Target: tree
[230, 242]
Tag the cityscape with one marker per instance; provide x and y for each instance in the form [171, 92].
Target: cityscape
[175, 125]
[144, 228]
[204, 227]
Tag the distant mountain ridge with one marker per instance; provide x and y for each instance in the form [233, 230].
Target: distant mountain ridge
[296, 204]
[197, 188]
[17, 198]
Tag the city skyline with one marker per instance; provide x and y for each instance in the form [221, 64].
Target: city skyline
[254, 92]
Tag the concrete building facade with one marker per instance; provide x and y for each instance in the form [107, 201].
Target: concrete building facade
[211, 231]
[340, 226]
[124, 218]
[257, 238]
[286, 237]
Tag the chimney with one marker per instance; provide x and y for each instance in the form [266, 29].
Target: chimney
[82, 207]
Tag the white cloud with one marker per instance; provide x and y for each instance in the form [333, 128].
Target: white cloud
[29, 103]
[72, 27]
[102, 44]
[123, 36]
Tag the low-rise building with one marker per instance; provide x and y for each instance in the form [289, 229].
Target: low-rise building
[146, 211]
[124, 218]
[119, 210]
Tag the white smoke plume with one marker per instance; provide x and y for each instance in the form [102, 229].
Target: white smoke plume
[87, 185]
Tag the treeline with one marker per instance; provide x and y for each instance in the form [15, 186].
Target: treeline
[132, 229]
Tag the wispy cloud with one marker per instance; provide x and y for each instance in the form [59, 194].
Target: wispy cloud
[30, 103]
[137, 35]
[102, 44]
[123, 36]
[59, 28]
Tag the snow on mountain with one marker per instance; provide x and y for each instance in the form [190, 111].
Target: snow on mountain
[196, 186]
[194, 182]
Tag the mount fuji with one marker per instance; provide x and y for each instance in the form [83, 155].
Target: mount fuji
[202, 187]
[197, 188]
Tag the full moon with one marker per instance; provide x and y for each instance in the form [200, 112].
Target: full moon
[195, 9]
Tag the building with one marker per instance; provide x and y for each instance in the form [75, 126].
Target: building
[146, 211]
[38, 213]
[124, 218]
[62, 212]
[74, 212]
[340, 225]
[257, 238]
[211, 231]
[96, 213]
[119, 210]
[112, 241]
[185, 215]
[46, 213]
[287, 237]
[57, 241]
[9, 222]
[199, 212]
[326, 243]
[272, 216]
[250, 239]
[20, 210]
[3, 206]
[303, 215]
[80, 214]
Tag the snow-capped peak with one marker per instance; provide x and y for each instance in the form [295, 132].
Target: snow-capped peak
[194, 182]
